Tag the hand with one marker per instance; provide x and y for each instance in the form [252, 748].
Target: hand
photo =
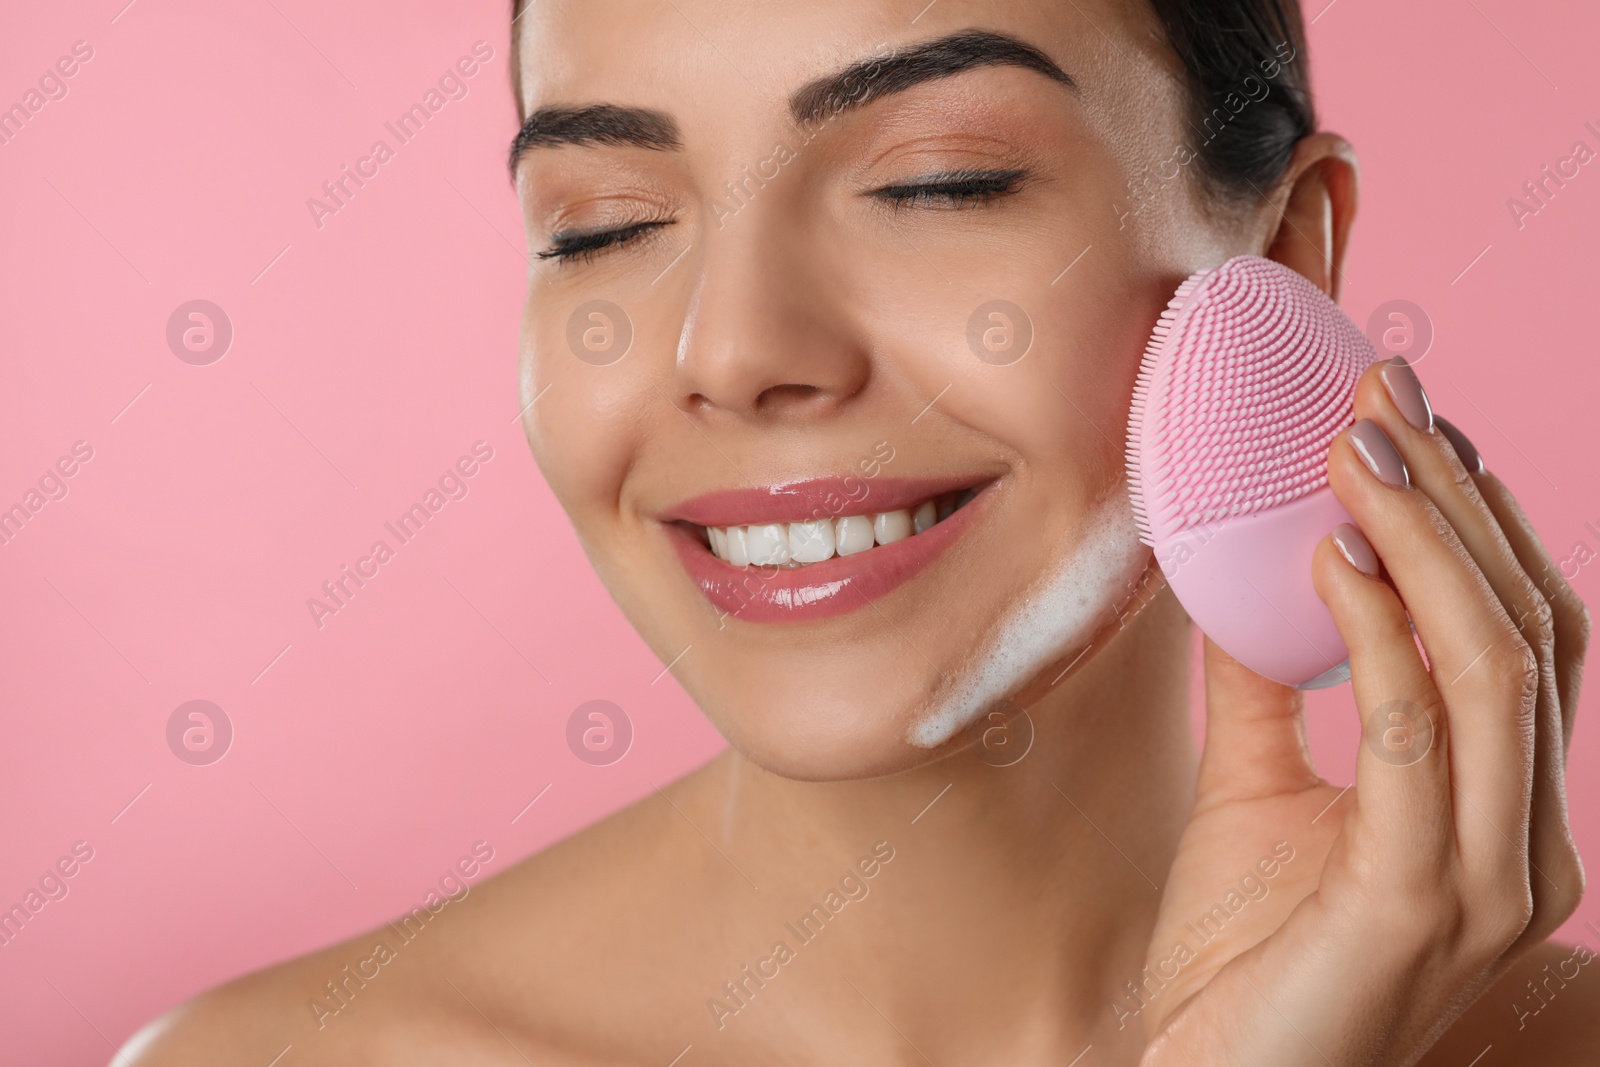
[1334, 927]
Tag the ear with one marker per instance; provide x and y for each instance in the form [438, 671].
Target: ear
[1315, 204]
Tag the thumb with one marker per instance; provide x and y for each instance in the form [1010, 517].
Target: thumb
[1256, 744]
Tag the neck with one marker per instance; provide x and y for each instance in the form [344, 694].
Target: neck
[1018, 900]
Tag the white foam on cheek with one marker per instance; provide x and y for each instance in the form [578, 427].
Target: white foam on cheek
[1060, 614]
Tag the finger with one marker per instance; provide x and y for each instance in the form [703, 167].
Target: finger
[1391, 395]
[1569, 615]
[1484, 671]
[1557, 879]
[1256, 744]
[1402, 822]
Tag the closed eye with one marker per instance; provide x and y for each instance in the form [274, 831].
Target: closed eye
[952, 189]
[960, 188]
[580, 247]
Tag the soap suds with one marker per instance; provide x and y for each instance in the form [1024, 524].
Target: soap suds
[1059, 615]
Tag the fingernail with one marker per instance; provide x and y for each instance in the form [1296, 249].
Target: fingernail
[1378, 453]
[1465, 452]
[1355, 548]
[1407, 393]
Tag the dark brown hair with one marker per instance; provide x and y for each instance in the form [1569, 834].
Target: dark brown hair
[1222, 44]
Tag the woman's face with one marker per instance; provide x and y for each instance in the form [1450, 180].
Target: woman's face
[816, 263]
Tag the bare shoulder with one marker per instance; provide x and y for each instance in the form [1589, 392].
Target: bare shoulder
[268, 1016]
[505, 972]
[1545, 1010]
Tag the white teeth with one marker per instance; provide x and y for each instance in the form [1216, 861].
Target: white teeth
[811, 542]
[738, 554]
[768, 545]
[852, 533]
[891, 526]
[788, 544]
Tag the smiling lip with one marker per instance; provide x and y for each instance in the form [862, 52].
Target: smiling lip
[815, 590]
[812, 499]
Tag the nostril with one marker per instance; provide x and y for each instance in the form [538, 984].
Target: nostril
[781, 395]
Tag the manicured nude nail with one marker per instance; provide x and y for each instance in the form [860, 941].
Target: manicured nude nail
[1465, 452]
[1355, 548]
[1407, 393]
[1378, 453]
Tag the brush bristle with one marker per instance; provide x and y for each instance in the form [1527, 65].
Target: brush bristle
[1248, 377]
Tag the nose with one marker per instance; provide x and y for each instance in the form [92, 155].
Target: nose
[767, 334]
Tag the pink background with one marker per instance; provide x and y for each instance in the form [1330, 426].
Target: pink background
[370, 353]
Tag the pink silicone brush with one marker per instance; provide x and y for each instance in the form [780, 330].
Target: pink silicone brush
[1248, 377]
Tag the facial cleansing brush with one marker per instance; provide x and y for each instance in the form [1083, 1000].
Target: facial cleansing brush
[1248, 377]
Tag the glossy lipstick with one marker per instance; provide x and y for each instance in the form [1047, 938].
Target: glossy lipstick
[812, 591]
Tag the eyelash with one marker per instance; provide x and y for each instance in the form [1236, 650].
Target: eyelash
[582, 247]
[956, 189]
[960, 188]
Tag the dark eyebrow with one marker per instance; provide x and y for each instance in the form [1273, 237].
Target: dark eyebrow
[854, 86]
[870, 79]
[596, 124]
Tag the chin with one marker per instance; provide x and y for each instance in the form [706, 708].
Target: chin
[835, 720]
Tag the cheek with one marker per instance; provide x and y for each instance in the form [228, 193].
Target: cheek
[585, 423]
[1030, 326]
[1059, 399]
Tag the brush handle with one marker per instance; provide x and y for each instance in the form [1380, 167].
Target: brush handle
[1246, 582]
